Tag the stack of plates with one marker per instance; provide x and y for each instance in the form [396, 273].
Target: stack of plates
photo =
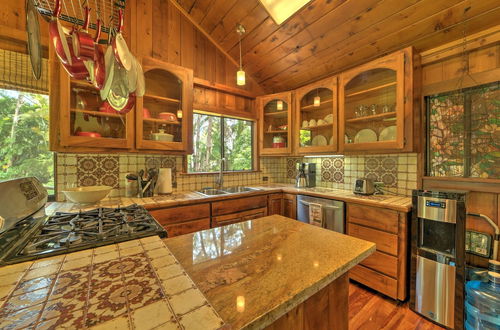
[319, 140]
[365, 135]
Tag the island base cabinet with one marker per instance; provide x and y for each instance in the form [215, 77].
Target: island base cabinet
[228, 219]
[187, 227]
[327, 309]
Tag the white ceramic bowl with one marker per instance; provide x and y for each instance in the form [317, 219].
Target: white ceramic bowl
[86, 195]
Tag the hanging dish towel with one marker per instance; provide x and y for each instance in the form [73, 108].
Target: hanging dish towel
[316, 214]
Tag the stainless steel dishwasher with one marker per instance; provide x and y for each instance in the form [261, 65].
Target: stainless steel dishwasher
[333, 212]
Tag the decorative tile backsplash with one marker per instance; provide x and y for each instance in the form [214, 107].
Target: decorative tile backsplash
[398, 172]
[97, 170]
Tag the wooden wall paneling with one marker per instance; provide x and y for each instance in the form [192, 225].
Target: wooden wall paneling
[235, 15]
[174, 34]
[220, 67]
[423, 34]
[484, 59]
[257, 17]
[210, 62]
[144, 23]
[286, 40]
[478, 40]
[217, 11]
[487, 204]
[199, 55]
[199, 9]
[352, 23]
[187, 43]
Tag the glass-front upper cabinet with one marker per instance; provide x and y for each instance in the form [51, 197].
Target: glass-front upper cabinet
[316, 129]
[80, 119]
[375, 102]
[275, 124]
[164, 114]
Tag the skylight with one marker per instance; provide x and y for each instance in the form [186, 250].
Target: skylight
[281, 10]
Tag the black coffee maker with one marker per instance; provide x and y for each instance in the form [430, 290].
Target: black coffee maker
[306, 175]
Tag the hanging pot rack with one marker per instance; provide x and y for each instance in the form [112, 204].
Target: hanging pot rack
[72, 12]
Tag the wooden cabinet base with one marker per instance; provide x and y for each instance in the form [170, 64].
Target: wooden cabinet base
[326, 309]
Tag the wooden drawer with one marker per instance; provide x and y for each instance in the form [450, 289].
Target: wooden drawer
[375, 280]
[181, 214]
[227, 219]
[386, 242]
[238, 205]
[187, 227]
[386, 220]
[383, 263]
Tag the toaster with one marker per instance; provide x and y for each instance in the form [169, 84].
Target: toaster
[364, 187]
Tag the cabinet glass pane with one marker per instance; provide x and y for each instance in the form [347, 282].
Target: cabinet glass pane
[370, 107]
[162, 108]
[276, 124]
[92, 117]
[316, 118]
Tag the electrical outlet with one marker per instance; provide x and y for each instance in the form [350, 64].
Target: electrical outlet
[265, 178]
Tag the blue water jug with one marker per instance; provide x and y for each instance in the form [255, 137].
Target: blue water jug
[482, 303]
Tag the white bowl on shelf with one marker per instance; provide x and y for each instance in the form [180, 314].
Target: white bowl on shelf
[87, 195]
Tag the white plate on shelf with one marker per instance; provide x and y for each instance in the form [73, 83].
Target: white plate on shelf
[365, 135]
[305, 124]
[312, 123]
[329, 118]
[388, 134]
[319, 140]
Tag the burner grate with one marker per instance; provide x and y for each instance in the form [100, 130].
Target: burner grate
[66, 231]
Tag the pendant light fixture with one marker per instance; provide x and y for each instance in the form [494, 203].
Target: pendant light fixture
[240, 75]
[279, 105]
[317, 99]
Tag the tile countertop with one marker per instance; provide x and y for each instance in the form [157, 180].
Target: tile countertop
[398, 203]
[256, 271]
[132, 285]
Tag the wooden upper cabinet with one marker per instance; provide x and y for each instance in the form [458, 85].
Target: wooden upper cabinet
[276, 111]
[80, 119]
[164, 116]
[316, 122]
[375, 105]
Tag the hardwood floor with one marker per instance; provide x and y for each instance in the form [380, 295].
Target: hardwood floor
[372, 311]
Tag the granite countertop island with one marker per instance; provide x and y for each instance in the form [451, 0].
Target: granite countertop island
[255, 272]
[244, 275]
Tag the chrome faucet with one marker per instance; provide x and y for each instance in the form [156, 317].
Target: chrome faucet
[219, 182]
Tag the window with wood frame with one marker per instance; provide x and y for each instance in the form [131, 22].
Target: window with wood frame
[217, 137]
[463, 133]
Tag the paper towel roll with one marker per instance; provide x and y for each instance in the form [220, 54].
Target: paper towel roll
[164, 185]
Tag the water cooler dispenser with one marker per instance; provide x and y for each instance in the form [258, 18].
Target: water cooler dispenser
[438, 256]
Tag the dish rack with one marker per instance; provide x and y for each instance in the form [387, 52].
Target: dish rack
[72, 11]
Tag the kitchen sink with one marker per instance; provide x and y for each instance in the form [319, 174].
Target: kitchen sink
[211, 192]
[224, 191]
[238, 189]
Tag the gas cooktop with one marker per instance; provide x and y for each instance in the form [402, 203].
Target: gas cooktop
[65, 232]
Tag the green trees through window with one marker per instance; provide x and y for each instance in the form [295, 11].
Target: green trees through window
[216, 137]
[24, 143]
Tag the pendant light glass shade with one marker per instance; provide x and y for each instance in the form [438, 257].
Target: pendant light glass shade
[279, 105]
[240, 77]
[317, 101]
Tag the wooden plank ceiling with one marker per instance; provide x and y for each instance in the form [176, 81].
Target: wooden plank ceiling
[328, 36]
